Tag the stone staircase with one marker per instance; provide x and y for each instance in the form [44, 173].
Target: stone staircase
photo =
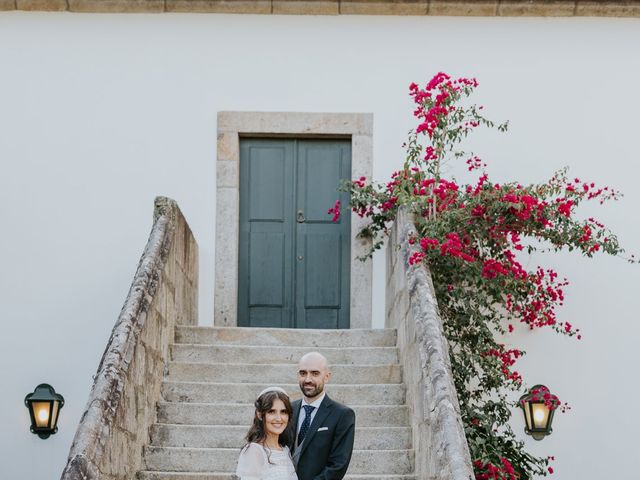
[215, 374]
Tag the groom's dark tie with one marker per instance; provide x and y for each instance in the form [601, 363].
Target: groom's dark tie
[305, 423]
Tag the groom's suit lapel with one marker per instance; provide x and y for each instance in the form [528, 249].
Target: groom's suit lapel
[325, 409]
[296, 414]
[296, 410]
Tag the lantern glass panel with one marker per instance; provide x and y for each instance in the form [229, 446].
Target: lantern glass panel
[42, 413]
[526, 408]
[54, 413]
[540, 415]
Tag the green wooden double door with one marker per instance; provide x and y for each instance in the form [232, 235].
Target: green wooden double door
[294, 261]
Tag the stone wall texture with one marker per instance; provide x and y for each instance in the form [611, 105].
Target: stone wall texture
[474, 8]
[122, 404]
[438, 436]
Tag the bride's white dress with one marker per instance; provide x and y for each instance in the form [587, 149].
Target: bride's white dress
[259, 463]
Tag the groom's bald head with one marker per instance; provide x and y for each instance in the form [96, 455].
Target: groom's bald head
[313, 373]
[316, 359]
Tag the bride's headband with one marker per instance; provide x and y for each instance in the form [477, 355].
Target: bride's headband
[272, 389]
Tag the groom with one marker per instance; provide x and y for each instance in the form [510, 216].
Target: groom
[324, 429]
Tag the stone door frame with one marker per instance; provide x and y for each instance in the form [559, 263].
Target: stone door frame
[231, 127]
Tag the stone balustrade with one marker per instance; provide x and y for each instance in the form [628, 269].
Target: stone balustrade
[122, 404]
[441, 448]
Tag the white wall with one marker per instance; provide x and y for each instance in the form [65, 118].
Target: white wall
[100, 113]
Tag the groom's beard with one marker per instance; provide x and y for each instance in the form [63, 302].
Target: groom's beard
[310, 390]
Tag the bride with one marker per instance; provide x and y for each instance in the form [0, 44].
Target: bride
[266, 455]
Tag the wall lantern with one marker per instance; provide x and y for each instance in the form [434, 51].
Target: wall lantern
[538, 406]
[44, 404]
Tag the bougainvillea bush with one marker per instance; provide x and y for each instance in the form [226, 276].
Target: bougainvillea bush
[473, 238]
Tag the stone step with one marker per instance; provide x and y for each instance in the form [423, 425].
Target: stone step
[199, 392]
[232, 436]
[180, 459]
[278, 374]
[149, 475]
[241, 414]
[280, 354]
[312, 339]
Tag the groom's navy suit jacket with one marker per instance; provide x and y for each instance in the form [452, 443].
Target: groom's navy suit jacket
[326, 450]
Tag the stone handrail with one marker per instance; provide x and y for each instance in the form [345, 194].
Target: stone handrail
[438, 436]
[114, 426]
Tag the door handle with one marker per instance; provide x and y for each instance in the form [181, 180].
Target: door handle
[300, 216]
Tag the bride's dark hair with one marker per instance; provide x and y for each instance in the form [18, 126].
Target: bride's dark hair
[264, 403]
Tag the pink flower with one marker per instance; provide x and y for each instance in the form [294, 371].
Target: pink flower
[417, 257]
[565, 208]
[360, 182]
[429, 243]
[335, 210]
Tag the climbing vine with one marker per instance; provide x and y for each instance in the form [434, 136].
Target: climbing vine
[473, 238]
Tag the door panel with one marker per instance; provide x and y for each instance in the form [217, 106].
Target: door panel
[321, 318]
[322, 272]
[267, 174]
[320, 178]
[266, 234]
[294, 261]
[322, 299]
[266, 254]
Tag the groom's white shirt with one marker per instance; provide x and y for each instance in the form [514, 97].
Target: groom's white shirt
[302, 413]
